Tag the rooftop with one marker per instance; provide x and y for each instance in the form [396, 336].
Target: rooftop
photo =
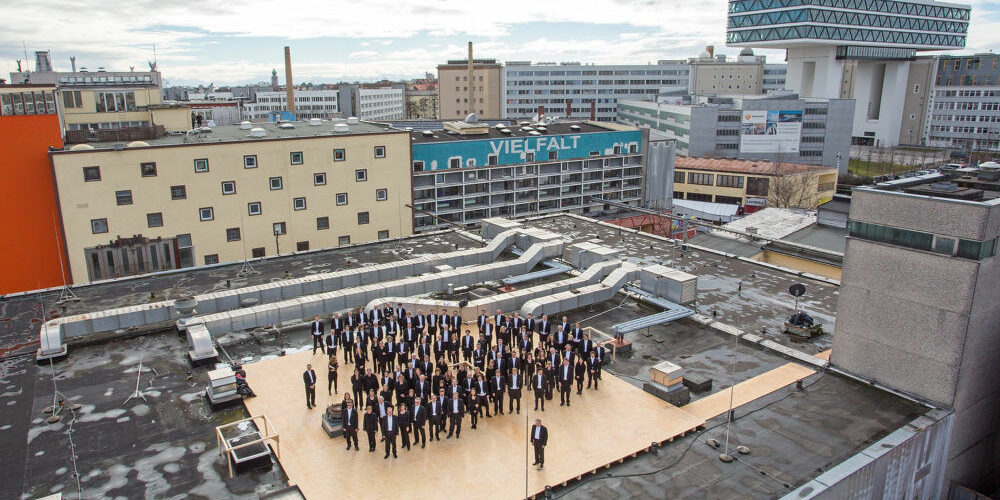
[166, 446]
[273, 131]
[519, 130]
[975, 184]
[758, 167]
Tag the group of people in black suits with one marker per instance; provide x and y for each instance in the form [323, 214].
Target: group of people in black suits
[414, 385]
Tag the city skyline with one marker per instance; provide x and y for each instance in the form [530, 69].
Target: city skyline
[228, 45]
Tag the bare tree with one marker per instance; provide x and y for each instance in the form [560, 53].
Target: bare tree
[790, 188]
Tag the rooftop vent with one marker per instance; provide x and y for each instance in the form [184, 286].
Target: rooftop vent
[138, 144]
[315, 122]
[341, 128]
[526, 129]
[258, 132]
[542, 129]
[352, 120]
[286, 125]
[81, 147]
[534, 132]
[574, 127]
[944, 186]
[524, 123]
[505, 131]
[428, 133]
[245, 125]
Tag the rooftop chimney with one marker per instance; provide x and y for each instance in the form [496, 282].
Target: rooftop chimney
[711, 50]
[289, 89]
[72, 62]
[472, 87]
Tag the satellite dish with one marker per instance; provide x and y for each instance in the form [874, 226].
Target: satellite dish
[797, 290]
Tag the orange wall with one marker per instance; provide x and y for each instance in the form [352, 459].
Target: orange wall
[29, 255]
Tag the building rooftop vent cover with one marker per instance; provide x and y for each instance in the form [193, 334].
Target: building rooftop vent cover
[574, 127]
[315, 122]
[341, 128]
[505, 131]
[524, 123]
[286, 125]
[944, 186]
[352, 120]
[428, 133]
[534, 132]
[542, 129]
[245, 125]
[258, 132]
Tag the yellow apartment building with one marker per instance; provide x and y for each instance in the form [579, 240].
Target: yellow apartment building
[753, 184]
[230, 194]
[487, 88]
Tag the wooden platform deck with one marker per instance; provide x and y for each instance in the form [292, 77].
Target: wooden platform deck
[599, 429]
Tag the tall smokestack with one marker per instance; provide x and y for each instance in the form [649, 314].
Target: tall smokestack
[593, 110]
[72, 62]
[569, 107]
[289, 89]
[472, 87]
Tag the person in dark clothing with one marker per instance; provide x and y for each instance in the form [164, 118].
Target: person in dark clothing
[370, 426]
[539, 438]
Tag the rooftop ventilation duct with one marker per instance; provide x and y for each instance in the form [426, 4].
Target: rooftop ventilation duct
[341, 128]
[574, 128]
[286, 125]
[245, 125]
[258, 132]
[315, 122]
[353, 120]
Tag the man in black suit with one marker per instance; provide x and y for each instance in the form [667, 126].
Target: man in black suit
[544, 329]
[351, 425]
[593, 370]
[456, 410]
[390, 427]
[497, 387]
[539, 438]
[539, 386]
[370, 426]
[482, 320]
[514, 390]
[316, 327]
[530, 323]
[565, 382]
[468, 343]
[309, 378]
[435, 413]
[419, 419]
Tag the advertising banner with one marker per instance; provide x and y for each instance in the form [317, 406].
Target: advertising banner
[770, 131]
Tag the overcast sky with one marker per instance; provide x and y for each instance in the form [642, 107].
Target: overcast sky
[232, 42]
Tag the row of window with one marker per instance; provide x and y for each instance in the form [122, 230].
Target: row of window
[206, 214]
[757, 186]
[966, 249]
[634, 72]
[886, 6]
[124, 197]
[808, 15]
[148, 169]
[27, 103]
[844, 34]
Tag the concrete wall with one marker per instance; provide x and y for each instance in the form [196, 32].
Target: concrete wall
[659, 181]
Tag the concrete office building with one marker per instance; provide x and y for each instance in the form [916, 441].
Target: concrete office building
[321, 104]
[108, 100]
[381, 104]
[469, 172]
[781, 127]
[230, 194]
[851, 49]
[584, 91]
[486, 87]
[748, 74]
[753, 184]
[965, 109]
[918, 309]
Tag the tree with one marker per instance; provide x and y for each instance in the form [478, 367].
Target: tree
[790, 188]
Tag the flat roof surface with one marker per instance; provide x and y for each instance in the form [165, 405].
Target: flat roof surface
[515, 131]
[233, 133]
[760, 167]
[166, 446]
[825, 237]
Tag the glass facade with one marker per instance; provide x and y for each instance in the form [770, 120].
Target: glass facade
[844, 34]
[881, 6]
[809, 15]
[967, 249]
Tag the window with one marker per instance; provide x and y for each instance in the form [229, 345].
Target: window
[529, 157]
[228, 187]
[178, 192]
[257, 252]
[147, 169]
[944, 245]
[211, 259]
[250, 161]
[98, 226]
[418, 166]
[154, 219]
[383, 235]
[454, 162]
[253, 208]
[201, 165]
[275, 183]
[699, 197]
[381, 194]
[319, 179]
[124, 197]
[322, 223]
[758, 186]
[279, 228]
[701, 179]
[678, 177]
[299, 203]
[729, 200]
[301, 246]
[206, 213]
[362, 218]
[379, 151]
[341, 198]
[633, 148]
[72, 99]
[339, 155]
[553, 155]
[491, 159]
[233, 234]
[295, 157]
[109, 102]
[91, 174]
[361, 175]
[344, 240]
[733, 181]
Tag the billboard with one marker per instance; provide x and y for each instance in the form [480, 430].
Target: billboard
[770, 131]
